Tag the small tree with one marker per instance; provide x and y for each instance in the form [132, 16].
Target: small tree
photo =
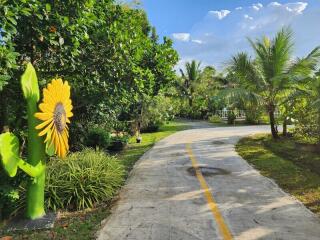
[190, 76]
[271, 73]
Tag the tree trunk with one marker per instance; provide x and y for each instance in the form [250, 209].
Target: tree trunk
[190, 102]
[274, 130]
[284, 127]
[319, 129]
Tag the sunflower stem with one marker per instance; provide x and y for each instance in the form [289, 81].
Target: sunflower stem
[36, 158]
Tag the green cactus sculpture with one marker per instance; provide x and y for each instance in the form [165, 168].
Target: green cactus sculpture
[37, 149]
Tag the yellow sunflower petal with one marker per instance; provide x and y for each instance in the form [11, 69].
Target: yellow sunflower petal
[69, 114]
[46, 107]
[67, 132]
[59, 90]
[62, 146]
[67, 107]
[56, 141]
[43, 116]
[52, 90]
[66, 91]
[48, 97]
[43, 124]
[46, 130]
[65, 140]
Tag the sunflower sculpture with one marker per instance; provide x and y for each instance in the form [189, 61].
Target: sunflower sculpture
[55, 112]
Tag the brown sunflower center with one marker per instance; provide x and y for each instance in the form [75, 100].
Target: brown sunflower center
[59, 117]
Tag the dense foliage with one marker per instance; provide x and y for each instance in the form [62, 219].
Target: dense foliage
[195, 91]
[109, 54]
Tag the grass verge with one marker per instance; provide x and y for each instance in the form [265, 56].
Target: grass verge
[294, 166]
[84, 224]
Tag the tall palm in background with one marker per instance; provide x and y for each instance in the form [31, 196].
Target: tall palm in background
[272, 73]
[190, 76]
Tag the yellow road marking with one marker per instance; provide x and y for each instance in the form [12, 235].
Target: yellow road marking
[223, 228]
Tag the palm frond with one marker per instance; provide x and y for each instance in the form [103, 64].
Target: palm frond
[233, 95]
[244, 69]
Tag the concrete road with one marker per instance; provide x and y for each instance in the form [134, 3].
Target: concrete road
[165, 198]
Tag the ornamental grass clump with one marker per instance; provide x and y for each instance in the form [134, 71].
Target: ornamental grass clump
[83, 180]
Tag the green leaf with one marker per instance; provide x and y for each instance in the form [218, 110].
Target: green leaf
[50, 147]
[48, 7]
[29, 83]
[9, 151]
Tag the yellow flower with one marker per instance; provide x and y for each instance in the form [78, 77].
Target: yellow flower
[55, 113]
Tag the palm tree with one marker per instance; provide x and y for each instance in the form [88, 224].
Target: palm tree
[191, 75]
[271, 73]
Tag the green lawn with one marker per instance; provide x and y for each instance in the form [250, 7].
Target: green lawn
[83, 225]
[294, 166]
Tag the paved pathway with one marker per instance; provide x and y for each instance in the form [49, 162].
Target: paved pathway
[163, 199]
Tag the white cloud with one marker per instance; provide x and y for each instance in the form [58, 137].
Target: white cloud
[197, 41]
[257, 6]
[246, 16]
[220, 14]
[184, 37]
[297, 7]
[238, 8]
[275, 4]
[214, 42]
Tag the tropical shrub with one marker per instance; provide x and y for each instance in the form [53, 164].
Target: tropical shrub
[215, 119]
[11, 195]
[155, 111]
[253, 115]
[118, 142]
[231, 117]
[83, 180]
[307, 126]
[98, 138]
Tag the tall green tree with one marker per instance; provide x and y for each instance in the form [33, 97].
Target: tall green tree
[191, 75]
[271, 73]
[107, 51]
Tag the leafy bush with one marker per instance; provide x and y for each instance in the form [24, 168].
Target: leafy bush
[215, 119]
[307, 127]
[98, 138]
[156, 111]
[252, 116]
[264, 119]
[231, 117]
[82, 180]
[11, 195]
[118, 142]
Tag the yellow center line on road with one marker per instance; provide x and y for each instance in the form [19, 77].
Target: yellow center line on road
[223, 228]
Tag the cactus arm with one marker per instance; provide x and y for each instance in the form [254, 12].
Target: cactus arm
[32, 171]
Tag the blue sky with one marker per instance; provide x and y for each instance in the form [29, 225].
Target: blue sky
[211, 31]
